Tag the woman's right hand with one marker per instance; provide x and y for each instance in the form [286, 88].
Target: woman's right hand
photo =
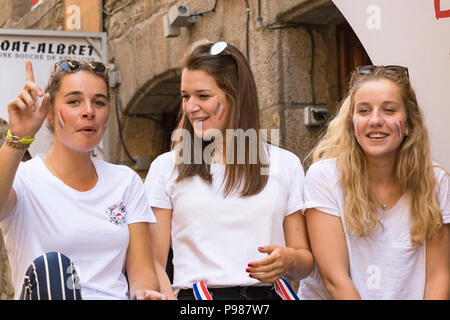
[25, 116]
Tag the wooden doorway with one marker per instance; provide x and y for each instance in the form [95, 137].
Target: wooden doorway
[351, 54]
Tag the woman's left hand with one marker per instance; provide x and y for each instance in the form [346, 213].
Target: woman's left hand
[149, 295]
[273, 267]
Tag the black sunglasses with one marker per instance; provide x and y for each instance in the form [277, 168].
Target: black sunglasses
[371, 68]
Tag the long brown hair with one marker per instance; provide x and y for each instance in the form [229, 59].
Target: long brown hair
[414, 169]
[232, 74]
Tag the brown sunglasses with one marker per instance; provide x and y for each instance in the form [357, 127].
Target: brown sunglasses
[371, 68]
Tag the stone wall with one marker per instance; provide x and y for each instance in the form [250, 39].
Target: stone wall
[289, 64]
[150, 64]
[18, 15]
[280, 59]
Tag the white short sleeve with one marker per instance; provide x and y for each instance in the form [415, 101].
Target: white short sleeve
[20, 183]
[157, 180]
[295, 190]
[444, 194]
[137, 206]
[321, 187]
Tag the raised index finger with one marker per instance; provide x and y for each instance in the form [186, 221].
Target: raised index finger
[29, 71]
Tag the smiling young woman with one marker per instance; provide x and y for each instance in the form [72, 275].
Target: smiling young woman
[379, 118]
[80, 222]
[377, 207]
[229, 225]
[204, 103]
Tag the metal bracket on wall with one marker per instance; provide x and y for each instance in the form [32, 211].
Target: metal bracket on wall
[96, 48]
[316, 116]
[115, 77]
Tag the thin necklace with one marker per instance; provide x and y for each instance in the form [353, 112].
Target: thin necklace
[382, 204]
[58, 175]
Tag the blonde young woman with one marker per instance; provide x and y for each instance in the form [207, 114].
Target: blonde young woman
[378, 208]
[73, 225]
[230, 225]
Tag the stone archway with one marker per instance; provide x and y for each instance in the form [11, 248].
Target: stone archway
[162, 98]
[147, 121]
[151, 116]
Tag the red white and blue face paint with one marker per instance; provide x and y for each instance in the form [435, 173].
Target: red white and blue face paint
[399, 127]
[61, 120]
[217, 108]
[222, 112]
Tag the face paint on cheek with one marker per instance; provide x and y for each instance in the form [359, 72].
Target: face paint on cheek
[61, 120]
[399, 126]
[217, 108]
[222, 113]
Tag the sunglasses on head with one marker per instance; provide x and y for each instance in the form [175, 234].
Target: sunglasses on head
[371, 68]
[75, 65]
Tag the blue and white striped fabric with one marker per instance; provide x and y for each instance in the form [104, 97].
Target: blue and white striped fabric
[51, 276]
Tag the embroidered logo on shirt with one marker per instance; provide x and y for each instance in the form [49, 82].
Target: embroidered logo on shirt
[117, 214]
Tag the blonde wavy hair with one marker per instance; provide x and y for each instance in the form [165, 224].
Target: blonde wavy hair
[414, 169]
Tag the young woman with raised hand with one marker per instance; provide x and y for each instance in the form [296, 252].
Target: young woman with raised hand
[233, 219]
[72, 225]
[377, 207]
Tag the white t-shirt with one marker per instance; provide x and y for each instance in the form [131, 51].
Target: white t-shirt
[91, 227]
[388, 266]
[214, 238]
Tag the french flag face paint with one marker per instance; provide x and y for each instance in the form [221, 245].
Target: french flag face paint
[61, 119]
[399, 127]
[217, 108]
[222, 112]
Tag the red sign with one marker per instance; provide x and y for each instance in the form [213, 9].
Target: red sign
[440, 13]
